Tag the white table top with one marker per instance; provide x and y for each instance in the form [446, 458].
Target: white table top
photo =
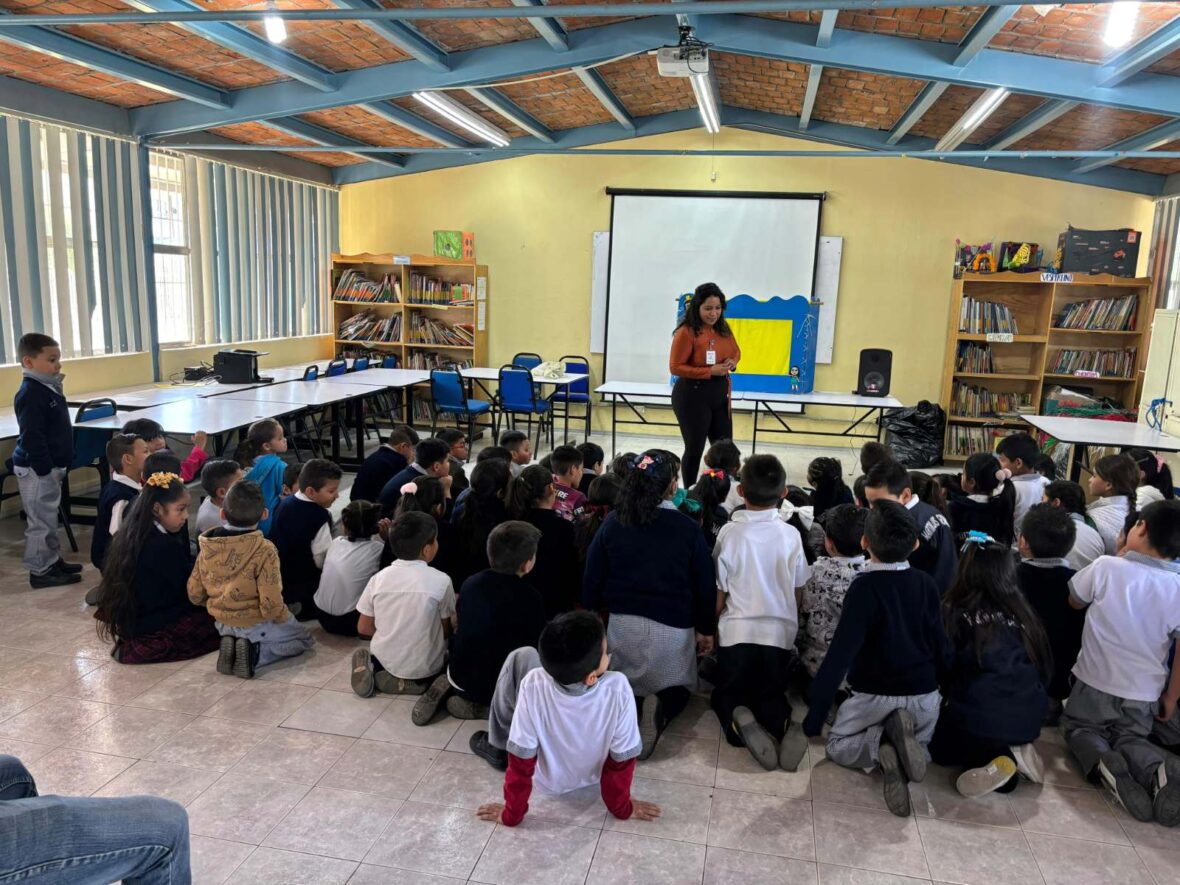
[488, 373]
[634, 388]
[9, 429]
[382, 377]
[216, 414]
[822, 398]
[301, 393]
[1096, 432]
[292, 372]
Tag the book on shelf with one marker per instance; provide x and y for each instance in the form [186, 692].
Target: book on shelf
[964, 440]
[368, 326]
[427, 290]
[974, 358]
[969, 401]
[1107, 363]
[355, 286]
[983, 317]
[426, 360]
[427, 330]
[1099, 315]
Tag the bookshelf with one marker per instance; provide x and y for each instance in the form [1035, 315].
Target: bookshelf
[1013, 337]
[423, 310]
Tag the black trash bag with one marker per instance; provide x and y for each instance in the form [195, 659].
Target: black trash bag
[915, 434]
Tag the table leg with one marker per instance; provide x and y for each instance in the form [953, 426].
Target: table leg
[614, 422]
[408, 404]
[754, 435]
[1079, 456]
[359, 408]
[336, 432]
[566, 429]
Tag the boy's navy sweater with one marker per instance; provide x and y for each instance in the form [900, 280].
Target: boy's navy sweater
[497, 615]
[1047, 591]
[936, 545]
[295, 525]
[980, 516]
[377, 469]
[889, 641]
[100, 541]
[161, 582]
[661, 571]
[556, 574]
[392, 490]
[46, 435]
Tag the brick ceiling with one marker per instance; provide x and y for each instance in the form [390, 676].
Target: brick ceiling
[560, 100]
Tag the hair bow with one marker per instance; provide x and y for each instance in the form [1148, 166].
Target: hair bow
[806, 513]
[1002, 476]
[644, 462]
[973, 537]
[681, 498]
[410, 488]
[709, 471]
[162, 480]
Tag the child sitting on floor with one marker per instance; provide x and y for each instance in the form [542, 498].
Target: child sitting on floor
[261, 455]
[872, 454]
[520, 446]
[349, 564]
[237, 578]
[724, 456]
[126, 454]
[1113, 484]
[216, 479]
[291, 479]
[152, 433]
[712, 491]
[565, 722]
[822, 598]
[989, 502]
[1018, 454]
[458, 451]
[1155, 478]
[593, 465]
[143, 604]
[302, 533]
[1088, 544]
[890, 643]
[826, 478]
[391, 458]
[531, 497]
[935, 553]
[431, 460]
[566, 464]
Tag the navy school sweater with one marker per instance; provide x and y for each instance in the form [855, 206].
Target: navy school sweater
[980, 516]
[377, 469]
[936, 545]
[46, 435]
[556, 574]
[1046, 587]
[100, 542]
[294, 527]
[161, 582]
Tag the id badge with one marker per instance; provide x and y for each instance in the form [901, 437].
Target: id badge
[710, 357]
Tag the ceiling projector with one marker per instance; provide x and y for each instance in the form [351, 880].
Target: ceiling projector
[687, 58]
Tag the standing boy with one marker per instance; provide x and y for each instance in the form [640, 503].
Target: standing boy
[43, 454]
[890, 643]
[935, 553]
[302, 533]
[760, 567]
[216, 479]
[1019, 454]
[390, 459]
[566, 464]
[521, 448]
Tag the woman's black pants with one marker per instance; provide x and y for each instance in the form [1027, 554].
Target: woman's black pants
[702, 410]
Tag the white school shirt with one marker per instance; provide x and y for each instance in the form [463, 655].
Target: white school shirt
[120, 507]
[1087, 544]
[1133, 616]
[572, 730]
[732, 499]
[1109, 514]
[208, 516]
[408, 602]
[348, 567]
[1145, 495]
[1030, 490]
[760, 562]
[323, 538]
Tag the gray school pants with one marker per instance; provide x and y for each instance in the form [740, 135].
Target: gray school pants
[855, 736]
[275, 640]
[516, 666]
[40, 497]
[1095, 722]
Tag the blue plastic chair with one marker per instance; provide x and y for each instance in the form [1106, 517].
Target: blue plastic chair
[90, 451]
[360, 364]
[577, 393]
[389, 362]
[518, 396]
[449, 397]
[298, 428]
[526, 360]
[336, 368]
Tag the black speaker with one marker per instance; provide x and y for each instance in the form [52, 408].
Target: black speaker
[875, 368]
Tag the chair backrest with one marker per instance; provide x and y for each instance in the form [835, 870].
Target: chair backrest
[446, 389]
[577, 365]
[516, 387]
[360, 364]
[311, 373]
[389, 362]
[335, 368]
[527, 360]
[90, 443]
[93, 409]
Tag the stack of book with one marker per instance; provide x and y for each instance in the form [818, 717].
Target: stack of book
[982, 317]
[427, 330]
[427, 361]
[1109, 363]
[355, 286]
[1100, 314]
[426, 290]
[367, 326]
[968, 401]
[974, 358]
[965, 440]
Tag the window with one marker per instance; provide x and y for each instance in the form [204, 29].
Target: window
[170, 239]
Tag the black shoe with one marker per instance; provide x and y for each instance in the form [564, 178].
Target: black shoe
[245, 658]
[70, 568]
[427, 705]
[493, 756]
[52, 578]
[225, 656]
[1167, 793]
[1116, 777]
[899, 730]
[897, 791]
[651, 725]
[92, 595]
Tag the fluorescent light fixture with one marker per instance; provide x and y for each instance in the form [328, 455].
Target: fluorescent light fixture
[702, 88]
[276, 28]
[1120, 22]
[462, 117]
[983, 108]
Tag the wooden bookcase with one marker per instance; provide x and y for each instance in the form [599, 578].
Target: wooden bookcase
[412, 347]
[1021, 362]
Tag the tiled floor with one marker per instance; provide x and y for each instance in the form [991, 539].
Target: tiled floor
[290, 778]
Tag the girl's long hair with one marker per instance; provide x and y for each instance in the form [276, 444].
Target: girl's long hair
[644, 488]
[1122, 473]
[927, 489]
[427, 499]
[116, 592]
[483, 508]
[600, 501]
[711, 490]
[525, 490]
[259, 434]
[692, 311]
[986, 594]
[826, 477]
[1155, 474]
[983, 469]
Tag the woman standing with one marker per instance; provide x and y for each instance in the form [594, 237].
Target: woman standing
[703, 354]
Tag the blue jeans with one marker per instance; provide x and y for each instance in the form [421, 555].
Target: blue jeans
[48, 840]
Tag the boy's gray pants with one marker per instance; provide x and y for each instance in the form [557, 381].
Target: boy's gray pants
[1095, 722]
[275, 640]
[855, 736]
[516, 666]
[40, 497]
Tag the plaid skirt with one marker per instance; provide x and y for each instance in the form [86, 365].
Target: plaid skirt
[653, 656]
[191, 636]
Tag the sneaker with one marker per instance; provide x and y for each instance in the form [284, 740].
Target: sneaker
[52, 578]
[1116, 776]
[976, 782]
[92, 595]
[387, 683]
[793, 747]
[1167, 792]
[1029, 762]
[225, 656]
[427, 705]
[897, 791]
[651, 724]
[69, 568]
[493, 756]
[756, 738]
[245, 658]
[899, 730]
[461, 708]
[362, 679]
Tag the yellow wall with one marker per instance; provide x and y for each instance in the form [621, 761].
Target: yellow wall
[280, 352]
[533, 218]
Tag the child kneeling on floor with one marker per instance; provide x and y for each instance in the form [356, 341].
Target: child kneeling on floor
[891, 643]
[564, 721]
[237, 578]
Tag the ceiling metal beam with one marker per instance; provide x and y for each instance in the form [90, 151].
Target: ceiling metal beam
[510, 111]
[403, 35]
[53, 106]
[1162, 41]
[329, 139]
[1030, 123]
[1144, 141]
[418, 125]
[814, 73]
[550, 29]
[593, 81]
[827, 26]
[925, 100]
